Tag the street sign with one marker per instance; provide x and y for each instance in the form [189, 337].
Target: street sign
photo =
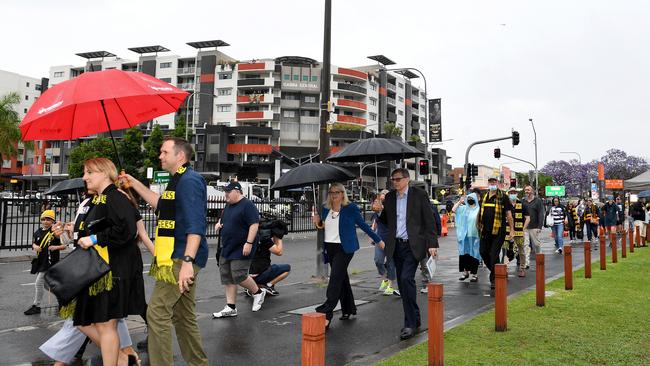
[149, 173]
[613, 183]
[555, 191]
[161, 176]
[594, 191]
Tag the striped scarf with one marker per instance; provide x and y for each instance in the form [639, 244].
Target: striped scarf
[498, 208]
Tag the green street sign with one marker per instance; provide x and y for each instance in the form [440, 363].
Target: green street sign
[161, 176]
[555, 191]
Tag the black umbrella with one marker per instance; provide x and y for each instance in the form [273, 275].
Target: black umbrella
[68, 186]
[312, 174]
[375, 149]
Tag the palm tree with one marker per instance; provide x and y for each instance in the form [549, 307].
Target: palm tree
[9, 131]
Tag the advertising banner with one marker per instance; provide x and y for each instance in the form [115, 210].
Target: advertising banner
[435, 123]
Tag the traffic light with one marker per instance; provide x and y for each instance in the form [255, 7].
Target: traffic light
[515, 138]
[474, 170]
[513, 182]
[497, 153]
[424, 167]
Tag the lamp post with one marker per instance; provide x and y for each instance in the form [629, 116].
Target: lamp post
[187, 118]
[536, 170]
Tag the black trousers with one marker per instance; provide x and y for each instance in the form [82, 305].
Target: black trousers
[406, 266]
[467, 263]
[338, 287]
[489, 248]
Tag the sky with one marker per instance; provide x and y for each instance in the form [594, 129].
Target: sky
[578, 69]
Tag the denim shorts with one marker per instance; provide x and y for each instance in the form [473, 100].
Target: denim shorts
[272, 272]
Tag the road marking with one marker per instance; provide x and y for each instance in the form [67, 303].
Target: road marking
[27, 284]
[311, 309]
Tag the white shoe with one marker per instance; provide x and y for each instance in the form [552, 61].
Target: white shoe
[225, 313]
[424, 290]
[258, 300]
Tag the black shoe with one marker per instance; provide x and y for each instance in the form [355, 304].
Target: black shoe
[33, 310]
[348, 316]
[270, 290]
[463, 277]
[143, 345]
[407, 333]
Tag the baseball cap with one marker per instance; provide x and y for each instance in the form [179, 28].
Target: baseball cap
[233, 185]
[48, 214]
[492, 179]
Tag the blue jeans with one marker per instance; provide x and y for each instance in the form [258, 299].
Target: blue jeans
[385, 266]
[558, 232]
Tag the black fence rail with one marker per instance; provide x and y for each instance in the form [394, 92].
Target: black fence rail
[20, 217]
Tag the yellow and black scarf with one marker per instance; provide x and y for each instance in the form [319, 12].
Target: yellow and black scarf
[496, 225]
[106, 282]
[162, 266]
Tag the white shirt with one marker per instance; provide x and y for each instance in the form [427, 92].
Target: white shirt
[332, 227]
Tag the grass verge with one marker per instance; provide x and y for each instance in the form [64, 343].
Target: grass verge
[604, 320]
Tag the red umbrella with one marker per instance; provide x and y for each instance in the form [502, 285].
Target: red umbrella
[97, 102]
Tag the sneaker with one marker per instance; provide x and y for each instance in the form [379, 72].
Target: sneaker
[396, 292]
[270, 290]
[424, 290]
[384, 285]
[258, 300]
[389, 291]
[33, 310]
[225, 313]
[248, 293]
[521, 273]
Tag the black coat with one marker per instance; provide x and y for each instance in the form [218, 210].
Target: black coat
[419, 222]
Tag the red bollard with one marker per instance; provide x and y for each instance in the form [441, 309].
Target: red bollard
[647, 237]
[540, 279]
[501, 298]
[612, 241]
[623, 245]
[568, 268]
[313, 339]
[587, 259]
[603, 253]
[436, 325]
[631, 233]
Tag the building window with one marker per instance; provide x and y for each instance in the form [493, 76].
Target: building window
[167, 80]
[401, 99]
[227, 91]
[296, 77]
[26, 97]
[373, 86]
[373, 116]
[400, 112]
[38, 87]
[25, 110]
[58, 74]
[225, 75]
[305, 78]
[27, 84]
[165, 65]
[309, 99]
[314, 78]
[400, 85]
[373, 101]
[287, 77]
[289, 114]
[223, 108]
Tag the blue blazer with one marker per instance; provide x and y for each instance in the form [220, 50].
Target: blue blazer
[349, 219]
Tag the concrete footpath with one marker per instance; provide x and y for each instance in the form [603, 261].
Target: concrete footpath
[272, 336]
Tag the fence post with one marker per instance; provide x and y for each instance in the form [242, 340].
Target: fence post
[623, 245]
[501, 298]
[603, 252]
[631, 238]
[612, 243]
[568, 268]
[436, 324]
[3, 240]
[587, 259]
[540, 284]
[638, 236]
[313, 339]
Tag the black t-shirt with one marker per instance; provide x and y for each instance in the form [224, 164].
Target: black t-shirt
[262, 258]
[487, 219]
[46, 257]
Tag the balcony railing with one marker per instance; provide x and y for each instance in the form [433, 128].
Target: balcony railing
[350, 119]
[352, 87]
[255, 115]
[249, 148]
[390, 100]
[391, 87]
[353, 73]
[351, 103]
[186, 86]
[186, 70]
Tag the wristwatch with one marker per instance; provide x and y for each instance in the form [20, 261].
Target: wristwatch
[188, 259]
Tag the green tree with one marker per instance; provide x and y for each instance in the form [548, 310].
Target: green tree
[99, 147]
[9, 131]
[544, 180]
[347, 127]
[152, 148]
[392, 130]
[130, 148]
[180, 125]
[415, 138]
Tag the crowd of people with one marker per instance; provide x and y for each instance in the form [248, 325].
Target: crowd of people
[491, 227]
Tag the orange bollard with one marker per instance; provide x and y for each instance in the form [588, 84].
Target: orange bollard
[612, 242]
[603, 253]
[539, 277]
[436, 324]
[313, 339]
[631, 233]
[638, 236]
[587, 259]
[647, 237]
[501, 298]
[623, 245]
[568, 268]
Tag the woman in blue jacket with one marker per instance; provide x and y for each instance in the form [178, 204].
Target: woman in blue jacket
[341, 218]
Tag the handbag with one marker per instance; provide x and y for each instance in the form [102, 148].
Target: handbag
[75, 273]
[549, 219]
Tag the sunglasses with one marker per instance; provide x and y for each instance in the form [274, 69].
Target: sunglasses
[334, 192]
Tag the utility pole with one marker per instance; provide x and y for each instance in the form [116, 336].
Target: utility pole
[468, 182]
[324, 141]
[536, 171]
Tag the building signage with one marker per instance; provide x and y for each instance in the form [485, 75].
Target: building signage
[300, 85]
[613, 183]
[435, 123]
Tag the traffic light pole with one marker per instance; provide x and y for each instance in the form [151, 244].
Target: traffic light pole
[468, 182]
[522, 160]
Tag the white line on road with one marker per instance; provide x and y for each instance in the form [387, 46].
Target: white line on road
[27, 284]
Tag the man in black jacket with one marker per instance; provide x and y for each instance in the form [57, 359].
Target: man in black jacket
[409, 217]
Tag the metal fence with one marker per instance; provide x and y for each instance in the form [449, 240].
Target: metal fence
[20, 217]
